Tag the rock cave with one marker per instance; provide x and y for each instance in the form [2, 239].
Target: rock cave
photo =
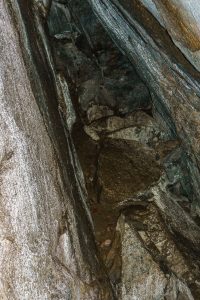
[100, 150]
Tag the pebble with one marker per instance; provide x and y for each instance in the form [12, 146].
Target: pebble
[106, 243]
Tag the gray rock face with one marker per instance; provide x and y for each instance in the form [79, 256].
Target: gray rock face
[154, 248]
[102, 75]
[43, 244]
[170, 78]
[142, 277]
[137, 126]
[102, 83]
[59, 20]
[181, 19]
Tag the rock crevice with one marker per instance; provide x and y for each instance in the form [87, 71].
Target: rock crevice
[99, 155]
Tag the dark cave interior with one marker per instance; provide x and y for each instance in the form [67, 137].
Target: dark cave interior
[122, 149]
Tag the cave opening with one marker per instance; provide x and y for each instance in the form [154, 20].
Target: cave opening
[124, 152]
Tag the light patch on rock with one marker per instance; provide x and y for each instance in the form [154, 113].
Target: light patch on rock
[142, 277]
[137, 126]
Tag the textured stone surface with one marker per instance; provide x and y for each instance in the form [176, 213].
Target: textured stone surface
[142, 276]
[114, 71]
[42, 249]
[101, 75]
[166, 72]
[141, 255]
[120, 163]
[174, 84]
[137, 126]
[181, 19]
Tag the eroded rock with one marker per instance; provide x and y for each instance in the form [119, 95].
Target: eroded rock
[142, 277]
[140, 165]
[137, 126]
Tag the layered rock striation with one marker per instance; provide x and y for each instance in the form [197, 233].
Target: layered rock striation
[99, 149]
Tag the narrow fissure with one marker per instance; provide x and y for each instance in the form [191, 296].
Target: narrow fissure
[130, 163]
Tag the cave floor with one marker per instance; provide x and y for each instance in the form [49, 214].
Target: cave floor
[119, 174]
[115, 170]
